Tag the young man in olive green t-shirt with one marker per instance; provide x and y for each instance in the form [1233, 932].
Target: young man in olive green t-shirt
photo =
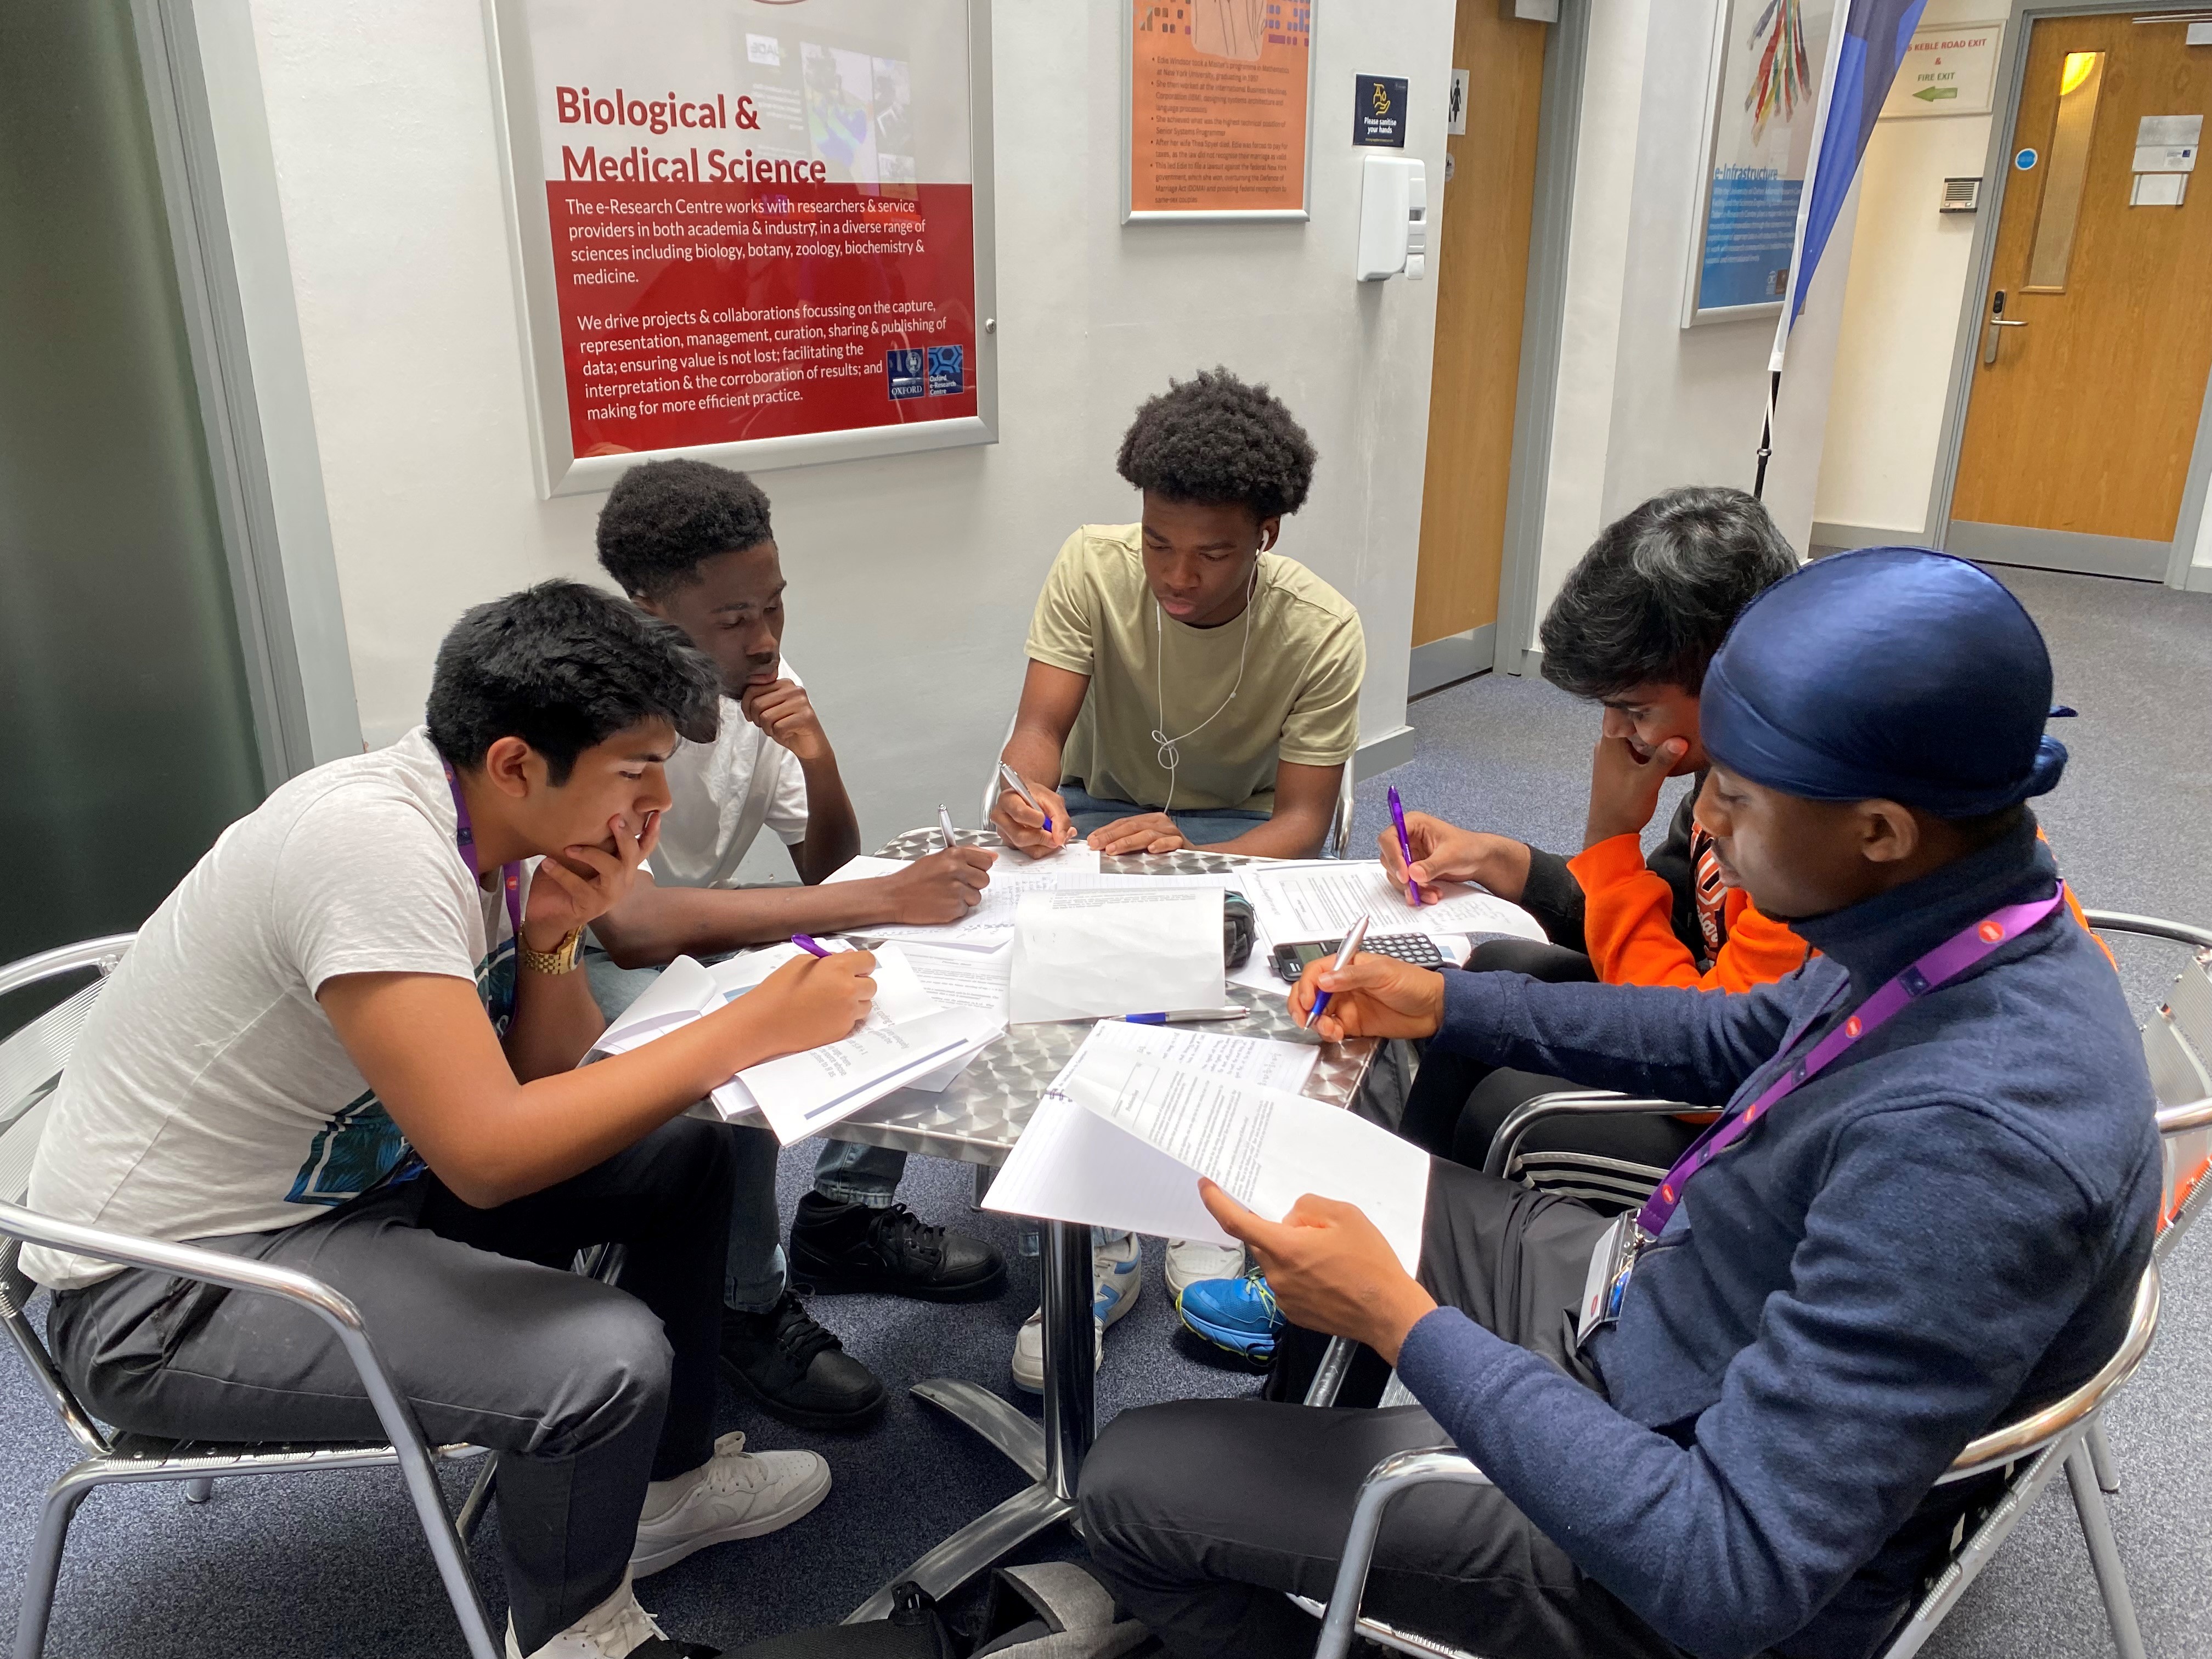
[1187, 686]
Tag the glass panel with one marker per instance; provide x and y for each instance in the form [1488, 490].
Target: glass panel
[127, 737]
[2080, 79]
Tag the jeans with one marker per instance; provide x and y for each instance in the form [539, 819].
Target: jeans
[1203, 827]
[753, 1272]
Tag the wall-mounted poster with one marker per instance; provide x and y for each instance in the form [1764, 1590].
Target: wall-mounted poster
[749, 231]
[1768, 59]
[1220, 97]
[1951, 69]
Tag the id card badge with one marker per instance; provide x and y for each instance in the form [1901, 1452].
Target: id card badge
[1613, 1258]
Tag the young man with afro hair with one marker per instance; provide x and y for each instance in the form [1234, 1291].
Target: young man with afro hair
[693, 544]
[1187, 685]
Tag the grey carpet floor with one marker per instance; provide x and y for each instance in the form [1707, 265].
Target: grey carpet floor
[332, 1564]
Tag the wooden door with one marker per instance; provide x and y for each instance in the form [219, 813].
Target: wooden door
[1481, 264]
[2096, 328]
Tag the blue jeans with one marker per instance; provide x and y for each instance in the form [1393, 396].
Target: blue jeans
[1202, 828]
[754, 1274]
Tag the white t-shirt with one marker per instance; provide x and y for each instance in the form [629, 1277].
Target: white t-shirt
[210, 1094]
[721, 793]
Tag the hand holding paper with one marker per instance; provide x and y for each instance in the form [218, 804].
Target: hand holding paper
[1330, 1267]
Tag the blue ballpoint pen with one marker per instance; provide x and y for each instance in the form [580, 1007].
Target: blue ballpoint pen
[1187, 1016]
[1353, 941]
[1404, 846]
[1022, 790]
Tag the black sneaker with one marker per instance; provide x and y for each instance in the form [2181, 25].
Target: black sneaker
[797, 1372]
[850, 1247]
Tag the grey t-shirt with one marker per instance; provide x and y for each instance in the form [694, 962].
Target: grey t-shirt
[210, 1094]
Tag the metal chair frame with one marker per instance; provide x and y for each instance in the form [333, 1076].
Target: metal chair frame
[1335, 846]
[31, 1061]
[2068, 1435]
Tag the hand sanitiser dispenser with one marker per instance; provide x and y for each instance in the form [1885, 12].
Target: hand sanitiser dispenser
[1394, 218]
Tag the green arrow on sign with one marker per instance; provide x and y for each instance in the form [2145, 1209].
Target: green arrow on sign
[1931, 95]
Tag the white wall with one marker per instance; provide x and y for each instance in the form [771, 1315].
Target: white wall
[1900, 314]
[1645, 405]
[912, 579]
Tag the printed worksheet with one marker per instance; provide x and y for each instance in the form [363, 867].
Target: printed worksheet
[1322, 901]
[990, 924]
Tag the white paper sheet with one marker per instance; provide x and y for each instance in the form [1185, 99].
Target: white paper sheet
[685, 990]
[1266, 1146]
[1323, 902]
[803, 1094]
[1090, 955]
[989, 924]
[963, 978]
[1271, 1062]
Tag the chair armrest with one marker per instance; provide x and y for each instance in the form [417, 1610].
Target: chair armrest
[65, 959]
[1394, 1475]
[2038, 1429]
[2180, 1120]
[2119, 921]
[1596, 1102]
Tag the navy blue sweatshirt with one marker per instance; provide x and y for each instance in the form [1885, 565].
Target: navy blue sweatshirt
[1944, 1226]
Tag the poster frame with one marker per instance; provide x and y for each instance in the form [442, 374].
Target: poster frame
[560, 470]
[1695, 314]
[1125, 11]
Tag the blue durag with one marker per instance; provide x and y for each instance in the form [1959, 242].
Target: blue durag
[1890, 673]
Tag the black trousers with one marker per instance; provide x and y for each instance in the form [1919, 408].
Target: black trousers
[1457, 1105]
[1201, 1514]
[586, 1392]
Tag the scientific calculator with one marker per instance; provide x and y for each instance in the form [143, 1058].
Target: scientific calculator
[1418, 949]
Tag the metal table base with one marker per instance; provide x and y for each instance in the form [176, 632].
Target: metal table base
[977, 1120]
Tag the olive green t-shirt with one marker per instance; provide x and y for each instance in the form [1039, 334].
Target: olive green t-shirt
[1298, 700]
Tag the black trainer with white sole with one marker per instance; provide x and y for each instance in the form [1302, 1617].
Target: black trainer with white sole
[850, 1247]
[798, 1373]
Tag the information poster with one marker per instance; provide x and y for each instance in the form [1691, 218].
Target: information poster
[1950, 69]
[746, 231]
[1220, 95]
[1768, 65]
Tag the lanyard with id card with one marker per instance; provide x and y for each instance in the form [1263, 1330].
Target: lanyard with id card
[1613, 1258]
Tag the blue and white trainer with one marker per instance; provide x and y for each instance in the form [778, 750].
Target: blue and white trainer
[1237, 1313]
[1116, 1276]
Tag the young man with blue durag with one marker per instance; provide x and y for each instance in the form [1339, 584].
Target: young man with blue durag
[1924, 1208]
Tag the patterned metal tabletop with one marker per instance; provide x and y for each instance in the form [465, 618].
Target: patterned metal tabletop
[981, 1114]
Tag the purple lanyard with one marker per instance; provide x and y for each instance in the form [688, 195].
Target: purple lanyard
[510, 875]
[1945, 962]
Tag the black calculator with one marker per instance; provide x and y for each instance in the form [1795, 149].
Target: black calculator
[1418, 949]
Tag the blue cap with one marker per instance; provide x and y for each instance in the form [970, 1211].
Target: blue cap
[1890, 673]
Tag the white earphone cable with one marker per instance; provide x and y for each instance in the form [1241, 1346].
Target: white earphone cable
[1169, 756]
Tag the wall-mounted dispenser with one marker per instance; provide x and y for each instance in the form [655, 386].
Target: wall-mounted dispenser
[1394, 218]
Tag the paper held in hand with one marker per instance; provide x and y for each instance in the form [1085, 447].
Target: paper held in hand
[1320, 901]
[1092, 955]
[909, 1040]
[1140, 1112]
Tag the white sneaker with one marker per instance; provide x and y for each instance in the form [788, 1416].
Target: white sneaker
[1190, 1259]
[614, 1629]
[1116, 1277]
[735, 1494]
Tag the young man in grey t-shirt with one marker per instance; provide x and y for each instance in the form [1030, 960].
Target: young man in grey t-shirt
[347, 1044]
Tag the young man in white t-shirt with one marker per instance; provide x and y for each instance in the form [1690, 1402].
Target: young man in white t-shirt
[692, 543]
[347, 1044]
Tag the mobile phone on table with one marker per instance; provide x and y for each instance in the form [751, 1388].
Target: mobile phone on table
[1417, 949]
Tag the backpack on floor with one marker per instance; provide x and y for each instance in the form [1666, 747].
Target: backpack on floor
[1052, 1611]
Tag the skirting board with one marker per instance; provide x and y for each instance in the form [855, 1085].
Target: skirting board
[1381, 754]
[2200, 579]
[1843, 537]
[2060, 550]
[1454, 658]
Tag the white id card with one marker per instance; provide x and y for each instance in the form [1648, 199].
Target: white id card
[1613, 1258]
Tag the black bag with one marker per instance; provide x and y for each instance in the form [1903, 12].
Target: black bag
[1053, 1611]
[915, 1629]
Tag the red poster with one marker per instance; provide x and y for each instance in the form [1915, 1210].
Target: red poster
[759, 220]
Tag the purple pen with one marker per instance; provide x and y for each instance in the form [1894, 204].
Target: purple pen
[1404, 846]
[808, 946]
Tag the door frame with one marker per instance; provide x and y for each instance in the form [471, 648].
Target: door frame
[1997, 169]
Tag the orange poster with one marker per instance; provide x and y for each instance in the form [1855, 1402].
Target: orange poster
[1218, 105]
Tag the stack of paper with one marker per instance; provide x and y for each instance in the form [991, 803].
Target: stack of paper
[1308, 902]
[1140, 1112]
[910, 1039]
[990, 924]
[1092, 955]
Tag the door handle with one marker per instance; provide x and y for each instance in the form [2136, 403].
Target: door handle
[1990, 347]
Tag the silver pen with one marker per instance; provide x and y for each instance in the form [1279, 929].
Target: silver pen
[1022, 789]
[944, 824]
[1187, 1017]
[1353, 941]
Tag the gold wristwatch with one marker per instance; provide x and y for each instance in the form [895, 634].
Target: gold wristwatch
[561, 959]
